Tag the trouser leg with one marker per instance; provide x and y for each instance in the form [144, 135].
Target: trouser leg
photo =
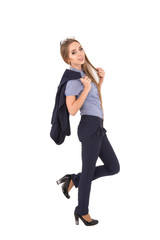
[90, 152]
[111, 164]
[107, 155]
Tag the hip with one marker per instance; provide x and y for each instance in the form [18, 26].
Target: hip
[89, 126]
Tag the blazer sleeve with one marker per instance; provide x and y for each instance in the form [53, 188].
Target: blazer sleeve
[73, 87]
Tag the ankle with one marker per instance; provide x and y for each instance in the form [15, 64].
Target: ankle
[87, 217]
[71, 184]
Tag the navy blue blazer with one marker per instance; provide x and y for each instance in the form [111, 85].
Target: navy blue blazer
[60, 116]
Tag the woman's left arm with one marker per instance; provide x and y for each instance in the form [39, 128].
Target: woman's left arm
[101, 75]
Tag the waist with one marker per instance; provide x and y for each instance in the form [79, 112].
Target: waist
[92, 119]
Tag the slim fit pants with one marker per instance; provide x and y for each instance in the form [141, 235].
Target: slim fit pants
[94, 144]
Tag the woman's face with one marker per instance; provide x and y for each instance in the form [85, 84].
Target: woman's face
[76, 55]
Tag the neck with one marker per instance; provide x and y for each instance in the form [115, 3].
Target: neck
[79, 67]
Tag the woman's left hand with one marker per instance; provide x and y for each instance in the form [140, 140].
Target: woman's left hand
[101, 75]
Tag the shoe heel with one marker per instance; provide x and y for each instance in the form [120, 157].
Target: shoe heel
[76, 219]
[61, 180]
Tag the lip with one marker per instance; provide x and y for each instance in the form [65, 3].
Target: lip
[81, 59]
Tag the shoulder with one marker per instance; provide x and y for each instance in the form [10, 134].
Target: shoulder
[73, 87]
[74, 82]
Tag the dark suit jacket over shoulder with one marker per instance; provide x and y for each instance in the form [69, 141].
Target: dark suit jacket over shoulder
[60, 116]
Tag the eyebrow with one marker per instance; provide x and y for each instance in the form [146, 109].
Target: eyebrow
[75, 49]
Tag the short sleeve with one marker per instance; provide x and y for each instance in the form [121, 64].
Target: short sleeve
[73, 87]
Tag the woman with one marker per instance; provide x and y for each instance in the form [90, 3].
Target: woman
[84, 94]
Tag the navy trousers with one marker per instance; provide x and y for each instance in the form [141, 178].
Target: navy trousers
[94, 144]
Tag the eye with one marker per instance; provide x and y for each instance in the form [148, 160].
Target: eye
[81, 48]
[73, 53]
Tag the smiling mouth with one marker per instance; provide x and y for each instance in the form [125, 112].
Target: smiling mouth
[80, 59]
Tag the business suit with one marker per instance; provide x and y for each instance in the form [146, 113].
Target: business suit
[94, 144]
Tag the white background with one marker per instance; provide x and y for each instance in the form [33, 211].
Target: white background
[122, 37]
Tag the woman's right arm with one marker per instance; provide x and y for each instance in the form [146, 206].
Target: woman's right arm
[74, 105]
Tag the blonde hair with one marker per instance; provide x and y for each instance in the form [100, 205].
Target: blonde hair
[87, 66]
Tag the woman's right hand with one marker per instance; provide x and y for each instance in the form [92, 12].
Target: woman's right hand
[86, 82]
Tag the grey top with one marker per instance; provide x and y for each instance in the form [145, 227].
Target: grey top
[92, 104]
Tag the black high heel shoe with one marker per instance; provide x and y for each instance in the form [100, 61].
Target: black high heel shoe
[66, 179]
[77, 216]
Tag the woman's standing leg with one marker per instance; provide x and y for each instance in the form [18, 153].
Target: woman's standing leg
[90, 152]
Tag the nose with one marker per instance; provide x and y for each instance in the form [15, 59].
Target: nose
[80, 54]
